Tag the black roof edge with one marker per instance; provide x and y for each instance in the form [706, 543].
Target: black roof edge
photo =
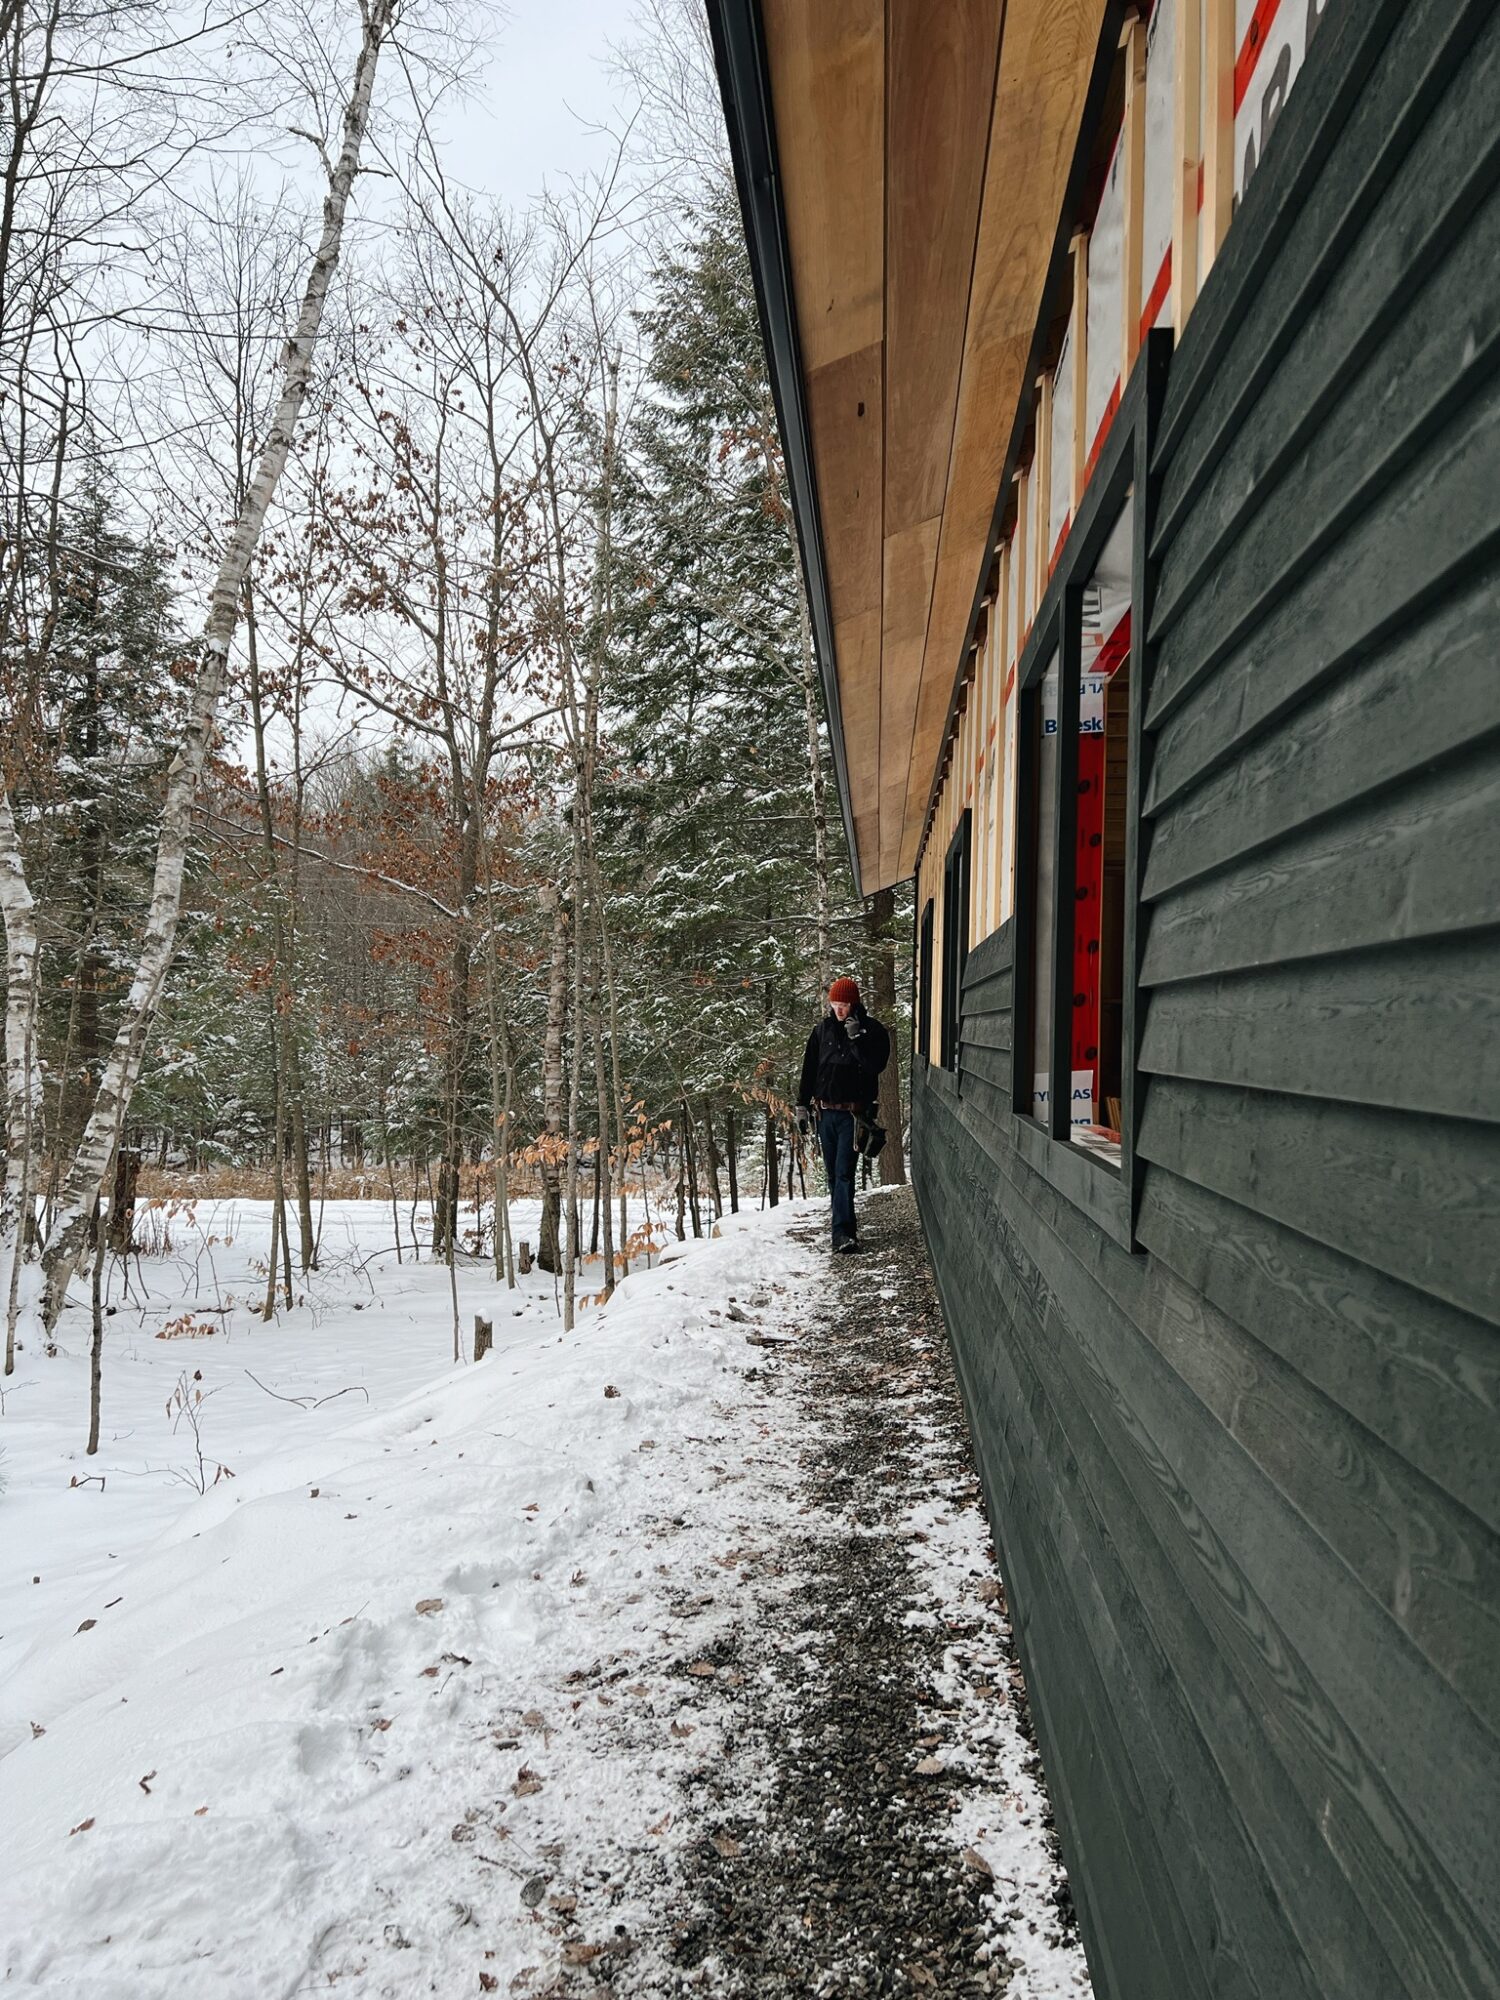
[744, 85]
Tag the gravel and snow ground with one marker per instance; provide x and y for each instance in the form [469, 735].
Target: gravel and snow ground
[665, 1657]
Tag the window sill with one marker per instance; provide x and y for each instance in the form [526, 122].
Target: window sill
[1091, 1182]
[1097, 1142]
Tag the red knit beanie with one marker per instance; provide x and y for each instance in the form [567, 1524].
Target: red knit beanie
[845, 989]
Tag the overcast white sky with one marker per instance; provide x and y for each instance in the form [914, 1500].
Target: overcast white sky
[546, 91]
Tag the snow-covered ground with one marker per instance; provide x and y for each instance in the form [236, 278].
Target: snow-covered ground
[377, 1710]
[368, 1331]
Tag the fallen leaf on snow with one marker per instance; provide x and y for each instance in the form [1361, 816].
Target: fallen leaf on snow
[87, 1625]
[683, 1728]
[972, 1858]
[725, 1844]
[564, 1905]
[931, 1767]
[426, 1605]
[585, 1954]
[527, 1782]
[534, 1719]
[381, 1722]
[661, 1825]
[610, 1389]
[488, 1983]
[82, 1827]
[704, 1669]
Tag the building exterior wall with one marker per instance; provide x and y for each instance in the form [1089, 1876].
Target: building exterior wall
[1244, 1477]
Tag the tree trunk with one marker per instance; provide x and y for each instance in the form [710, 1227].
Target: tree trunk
[69, 1233]
[690, 1163]
[23, 1075]
[711, 1149]
[731, 1160]
[575, 1070]
[96, 1344]
[302, 1177]
[549, 1244]
[445, 1209]
[773, 1164]
[880, 927]
[601, 1087]
[120, 1228]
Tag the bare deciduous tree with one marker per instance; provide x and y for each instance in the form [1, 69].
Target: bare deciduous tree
[62, 1250]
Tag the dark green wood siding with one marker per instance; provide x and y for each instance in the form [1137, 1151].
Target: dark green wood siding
[1246, 1481]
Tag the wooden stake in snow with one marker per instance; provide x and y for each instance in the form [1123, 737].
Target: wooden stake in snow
[65, 1243]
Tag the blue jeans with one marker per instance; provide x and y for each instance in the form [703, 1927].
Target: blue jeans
[836, 1135]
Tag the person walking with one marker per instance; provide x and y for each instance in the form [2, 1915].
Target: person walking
[846, 1052]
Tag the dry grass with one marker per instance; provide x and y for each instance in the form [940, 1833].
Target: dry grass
[337, 1184]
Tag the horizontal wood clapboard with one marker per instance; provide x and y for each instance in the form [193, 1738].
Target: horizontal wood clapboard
[1245, 1482]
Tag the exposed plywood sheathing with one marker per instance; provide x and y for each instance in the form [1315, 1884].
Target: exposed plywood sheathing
[1187, 154]
[1080, 346]
[1218, 131]
[1133, 139]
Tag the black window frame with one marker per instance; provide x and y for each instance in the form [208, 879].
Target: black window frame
[1108, 1193]
[922, 1014]
[957, 865]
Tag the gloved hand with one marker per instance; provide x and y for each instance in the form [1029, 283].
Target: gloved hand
[854, 1027]
[804, 1120]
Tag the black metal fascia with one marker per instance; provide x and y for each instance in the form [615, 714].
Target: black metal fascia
[744, 85]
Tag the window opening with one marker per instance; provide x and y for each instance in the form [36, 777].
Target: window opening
[1098, 956]
[955, 938]
[924, 984]
[1044, 898]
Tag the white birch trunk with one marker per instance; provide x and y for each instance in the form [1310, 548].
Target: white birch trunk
[23, 1076]
[64, 1246]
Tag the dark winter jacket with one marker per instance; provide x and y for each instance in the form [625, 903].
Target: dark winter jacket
[840, 1068]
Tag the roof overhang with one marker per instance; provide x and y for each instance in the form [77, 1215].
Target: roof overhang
[902, 166]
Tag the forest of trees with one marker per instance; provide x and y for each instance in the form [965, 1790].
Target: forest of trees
[415, 780]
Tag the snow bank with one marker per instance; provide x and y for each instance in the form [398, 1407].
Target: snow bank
[244, 1760]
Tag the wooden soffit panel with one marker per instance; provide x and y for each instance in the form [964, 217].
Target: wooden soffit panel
[1046, 58]
[940, 82]
[921, 155]
[827, 65]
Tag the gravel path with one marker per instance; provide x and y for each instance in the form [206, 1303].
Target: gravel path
[871, 1820]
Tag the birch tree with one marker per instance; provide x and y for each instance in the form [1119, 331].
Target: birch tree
[62, 1251]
